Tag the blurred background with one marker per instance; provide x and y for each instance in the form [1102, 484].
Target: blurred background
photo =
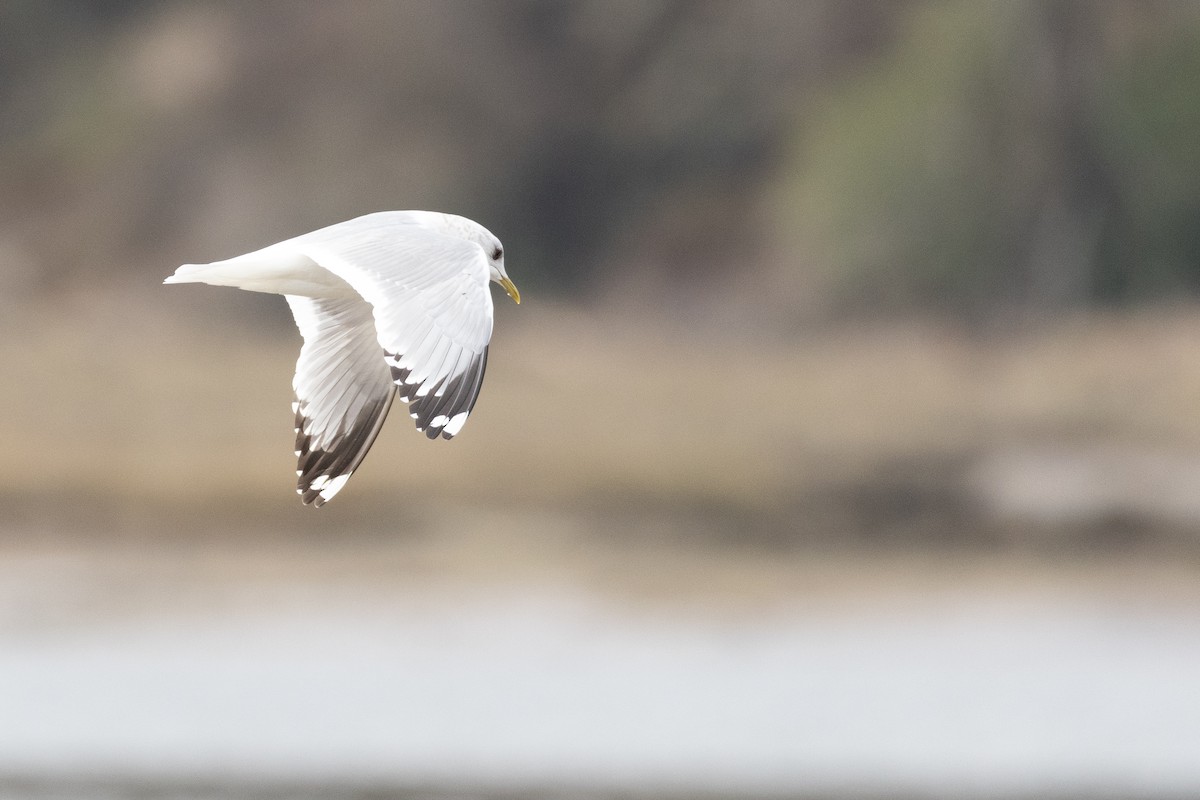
[846, 443]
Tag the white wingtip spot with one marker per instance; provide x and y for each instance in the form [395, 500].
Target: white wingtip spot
[334, 486]
[328, 487]
[456, 423]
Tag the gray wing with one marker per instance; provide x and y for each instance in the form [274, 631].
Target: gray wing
[343, 392]
[432, 310]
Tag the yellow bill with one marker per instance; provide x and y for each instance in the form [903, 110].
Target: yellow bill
[511, 288]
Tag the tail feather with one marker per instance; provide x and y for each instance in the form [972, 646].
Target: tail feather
[272, 270]
[235, 272]
[188, 273]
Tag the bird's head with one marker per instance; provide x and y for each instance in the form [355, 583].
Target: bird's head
[473, 232]
[496, 265]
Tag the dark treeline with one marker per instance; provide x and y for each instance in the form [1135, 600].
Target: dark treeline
[961, 157]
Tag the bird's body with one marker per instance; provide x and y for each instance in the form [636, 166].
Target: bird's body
[387, 303]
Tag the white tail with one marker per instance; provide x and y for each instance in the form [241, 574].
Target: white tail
[189, 273]
[273, 270]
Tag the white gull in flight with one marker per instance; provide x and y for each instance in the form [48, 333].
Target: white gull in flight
[387, 303]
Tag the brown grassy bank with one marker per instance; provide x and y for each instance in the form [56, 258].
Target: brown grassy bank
[889, 432]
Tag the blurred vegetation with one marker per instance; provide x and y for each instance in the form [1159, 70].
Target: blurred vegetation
[786, 158]
[1010, 156]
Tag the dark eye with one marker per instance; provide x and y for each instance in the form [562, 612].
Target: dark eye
[497, 254]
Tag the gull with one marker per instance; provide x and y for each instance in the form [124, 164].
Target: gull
[391, 303]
